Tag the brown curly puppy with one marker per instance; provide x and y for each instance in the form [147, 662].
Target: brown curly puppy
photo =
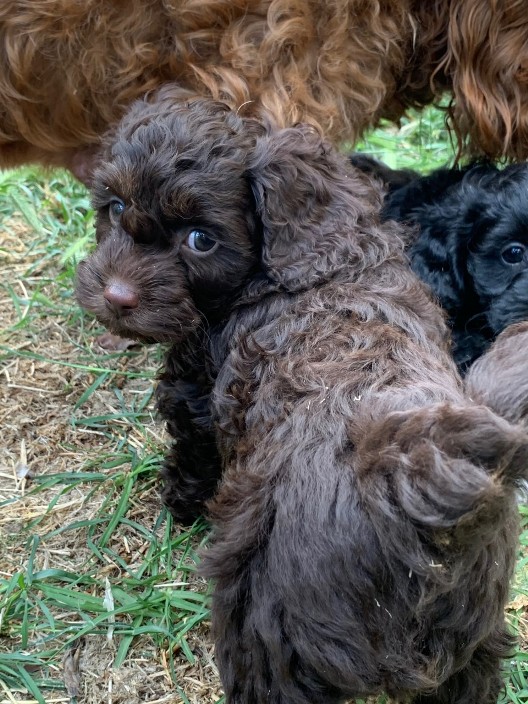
[69, 69]
[364, 513]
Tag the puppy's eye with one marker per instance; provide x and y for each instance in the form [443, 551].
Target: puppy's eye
[513, 254]
[116, 208]
[198, 241]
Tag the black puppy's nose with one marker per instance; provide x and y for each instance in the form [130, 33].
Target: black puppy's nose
[121, 296]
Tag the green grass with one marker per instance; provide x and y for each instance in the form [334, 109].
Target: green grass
[145, 598]
[421, 142]
[88, 559]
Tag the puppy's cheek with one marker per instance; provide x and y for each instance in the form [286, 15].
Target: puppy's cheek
[88, 290]
[510, 307]
[218, 275]
[152, 323]
[165, 311]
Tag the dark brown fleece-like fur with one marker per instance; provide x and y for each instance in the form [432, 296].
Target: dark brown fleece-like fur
[68, 69]
[499, 377]
[364, 507]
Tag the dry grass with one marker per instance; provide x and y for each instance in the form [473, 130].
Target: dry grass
[97, 589]
[99, 597]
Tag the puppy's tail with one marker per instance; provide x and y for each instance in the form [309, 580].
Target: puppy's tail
[499, 379]
[440, 481]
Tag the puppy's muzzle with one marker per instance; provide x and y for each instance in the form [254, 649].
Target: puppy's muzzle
[121, 297]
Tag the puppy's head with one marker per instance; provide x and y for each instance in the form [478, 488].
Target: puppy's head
[472, 248]
[176, 232]
[497, 258]
[196, 205]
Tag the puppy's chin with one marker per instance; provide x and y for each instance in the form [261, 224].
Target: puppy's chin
[144, 328]
[509, 307]
[135, 296]
[147, 324]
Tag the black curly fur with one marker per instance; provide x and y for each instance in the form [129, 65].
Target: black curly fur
[192, 466]
[466, 218]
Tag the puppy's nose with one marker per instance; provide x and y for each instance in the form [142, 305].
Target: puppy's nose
[121, 296]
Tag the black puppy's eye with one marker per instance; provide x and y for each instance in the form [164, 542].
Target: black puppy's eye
[513, 254]
[198, 241]
[116, 208]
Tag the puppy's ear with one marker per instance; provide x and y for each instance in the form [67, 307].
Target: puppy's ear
[317, 211]
[439, 257]
[450, 231]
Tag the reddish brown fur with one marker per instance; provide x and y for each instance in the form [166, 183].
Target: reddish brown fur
[487, 61]
[69, 69]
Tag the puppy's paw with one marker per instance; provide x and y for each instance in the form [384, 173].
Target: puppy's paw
[184, 498]
[499, 378]
[114, 343]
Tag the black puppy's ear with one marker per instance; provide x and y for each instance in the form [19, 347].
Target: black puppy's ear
[317, 211]
[439, 257]
[392, 179]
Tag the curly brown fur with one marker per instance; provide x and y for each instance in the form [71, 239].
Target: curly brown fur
[365, 518]
[70, 69]
[499, 377]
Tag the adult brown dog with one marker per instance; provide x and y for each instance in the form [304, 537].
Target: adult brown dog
[364, 507]
[68, 69]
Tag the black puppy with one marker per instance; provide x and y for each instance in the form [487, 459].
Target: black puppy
[472, 244]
